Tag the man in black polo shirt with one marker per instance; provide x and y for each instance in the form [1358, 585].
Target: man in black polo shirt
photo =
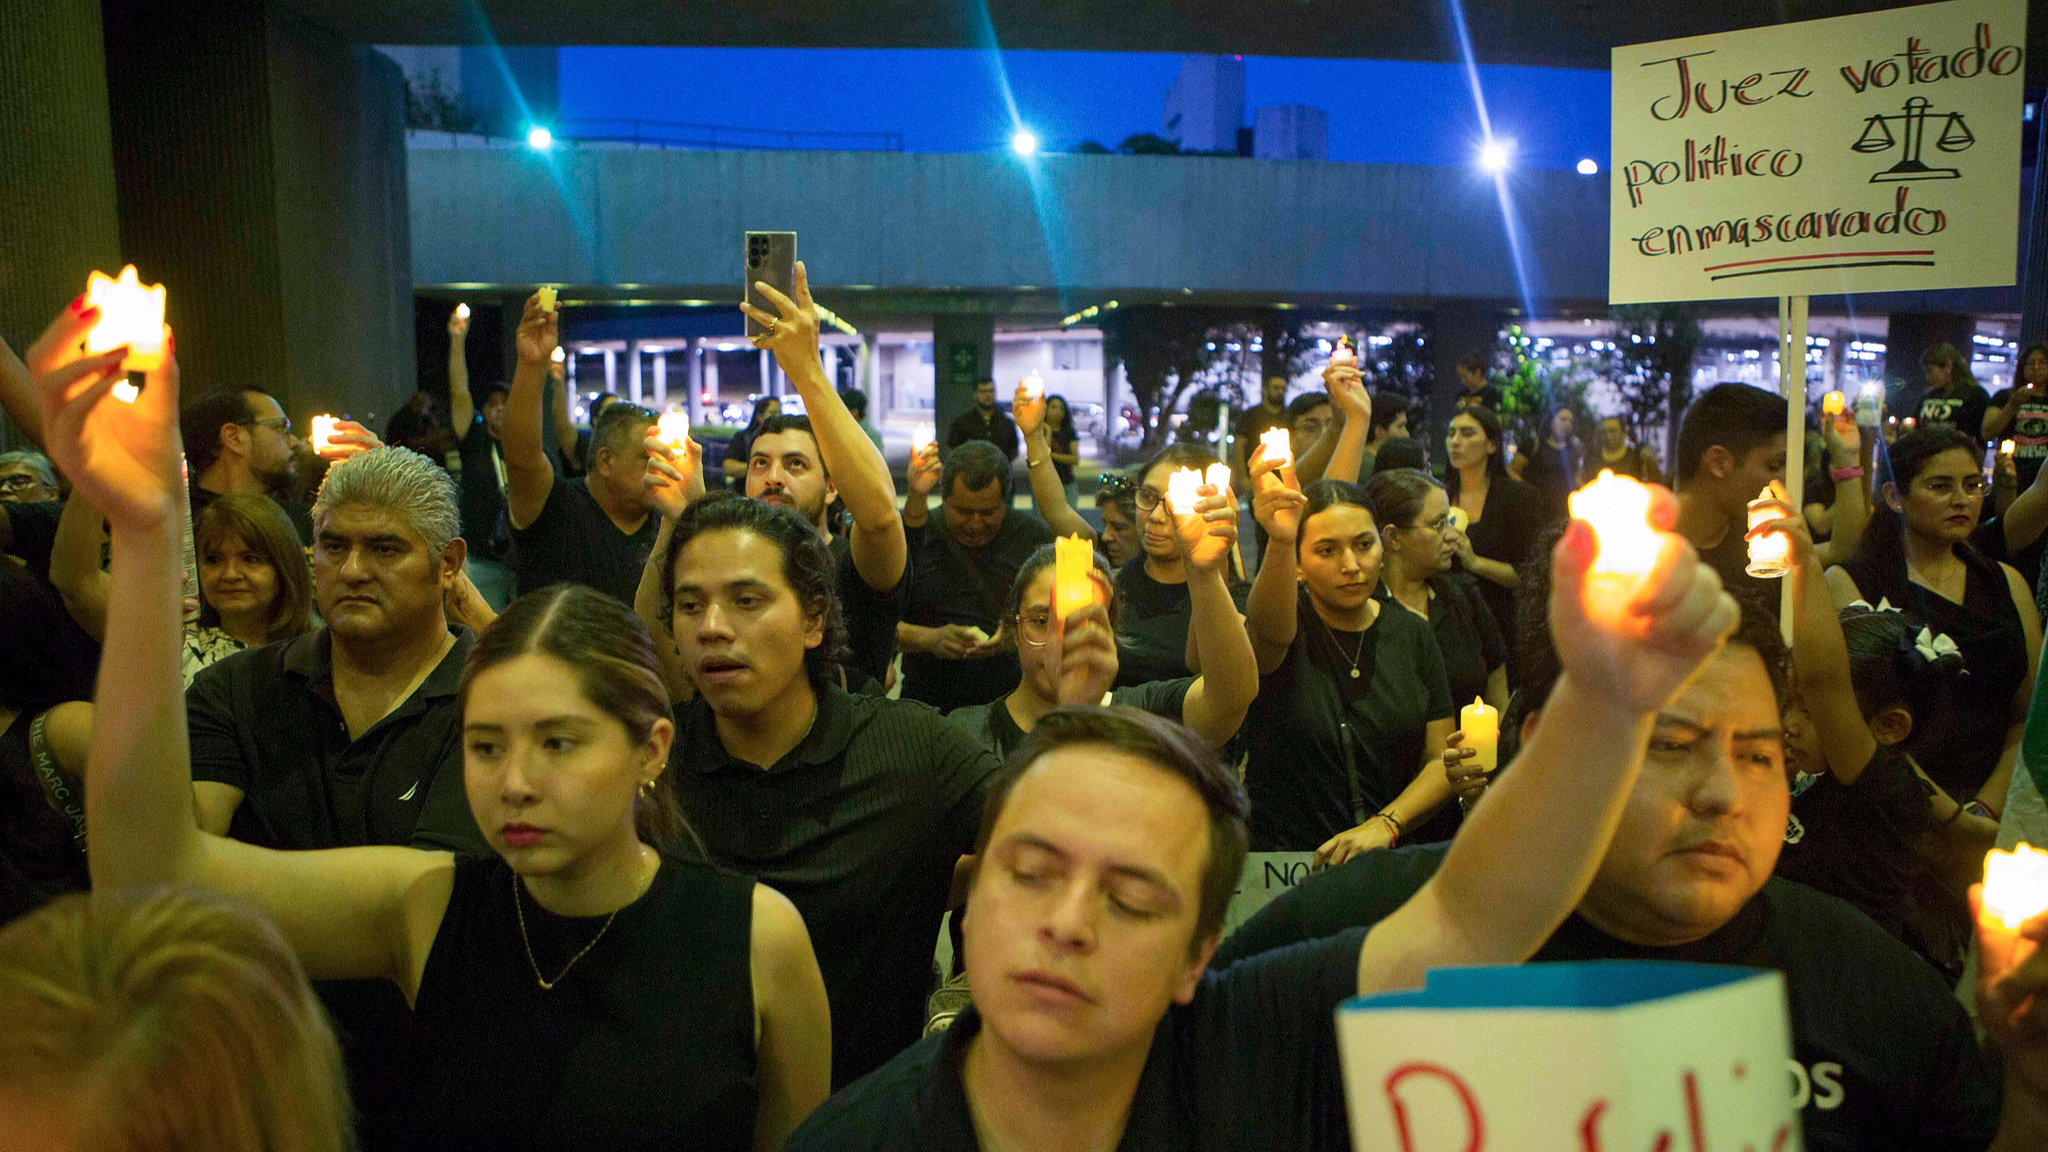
[855, 807]
[984, 422]
[1885, 1056]
[1108, 855]
[961, 571]
[595, 529]
[352, 735]
[477, 428]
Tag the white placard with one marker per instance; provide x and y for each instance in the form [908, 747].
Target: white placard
[1265, 875]
[1868, 153]
[1609, 1056]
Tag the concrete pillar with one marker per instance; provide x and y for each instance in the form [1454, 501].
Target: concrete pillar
[57, 153]
[1908, 336]
[260, 163]
[1457, 329]
[611, 371]
[633, 373]
[661, 382]
[711, 376]
[963, 354]
[696, 380]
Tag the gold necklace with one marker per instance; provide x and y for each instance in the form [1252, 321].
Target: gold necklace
[1332, 632]
[519, 909]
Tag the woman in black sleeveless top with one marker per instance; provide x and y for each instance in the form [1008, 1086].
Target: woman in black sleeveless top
[579, 990]
[1919, 560]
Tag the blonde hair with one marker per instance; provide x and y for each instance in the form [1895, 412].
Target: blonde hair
[168, 1020]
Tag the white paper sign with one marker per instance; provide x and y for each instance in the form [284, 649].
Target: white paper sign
[1868, 153]
[1265, 875]
[1602, 1057]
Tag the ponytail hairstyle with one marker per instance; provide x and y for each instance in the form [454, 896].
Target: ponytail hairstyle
[614, 662]
[1896, 662]
[1326, 494]
[168, 1020]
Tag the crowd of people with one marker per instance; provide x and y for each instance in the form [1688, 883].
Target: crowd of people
[469, 791]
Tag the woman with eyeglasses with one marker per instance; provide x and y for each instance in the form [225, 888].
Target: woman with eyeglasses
[1154, 605]
[1415, 532]
[1921, 561]
[1079, 665]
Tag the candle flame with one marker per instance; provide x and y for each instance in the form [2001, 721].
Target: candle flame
[924, 436]
[2015, 885]
[1277, 445]
[1833, 404]
[1618, 509]
[673, 429]
[462, 311]
[558, 356]
[1183, 491]
[1032, 386]
[2005, 447]
[131, 313]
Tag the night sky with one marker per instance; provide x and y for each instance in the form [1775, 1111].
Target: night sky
[951, 100]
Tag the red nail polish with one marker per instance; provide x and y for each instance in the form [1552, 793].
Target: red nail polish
[78, 305]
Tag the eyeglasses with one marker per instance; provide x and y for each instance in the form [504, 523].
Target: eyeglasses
[18, 481]
[1437, 525]
[1034, 627]
[1946, 486]
[1147, 498]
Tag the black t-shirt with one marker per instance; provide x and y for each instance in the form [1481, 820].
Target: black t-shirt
[34, 532]
[1488, 396]
[1466, 633]
[2028, 432]
[646, 1041]
[1328, 749]
[572, 541]
[1961, 408]
[1063, 441]
[1152, 622]
[997, 730]
[948, 584]
[870, 616]
[1887, 1059]
[265, 721]
[301, 515]
[1856, 842]
[1730, 560]
[40, 855]
[860, 826]
[1250, 1062]
[1553, 471]
[997, 429]
[484, 527]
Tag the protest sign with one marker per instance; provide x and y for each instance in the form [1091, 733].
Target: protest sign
[1869, 153]
[1599, 1057]
[1265, 875]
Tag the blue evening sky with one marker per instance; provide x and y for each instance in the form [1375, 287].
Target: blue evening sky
[951, 100]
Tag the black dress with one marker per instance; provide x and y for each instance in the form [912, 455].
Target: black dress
[646, 1042]
[1505, 531]
[1960, 745]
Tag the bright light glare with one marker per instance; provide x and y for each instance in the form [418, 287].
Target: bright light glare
[1494, 154]
[1589, 167]
[539, 139]
[1024, 142]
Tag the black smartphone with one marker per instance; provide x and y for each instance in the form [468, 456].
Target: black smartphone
[771, 260]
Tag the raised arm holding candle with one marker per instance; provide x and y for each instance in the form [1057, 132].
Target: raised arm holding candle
[1625, 543]
[547, 299]
[1277, 444]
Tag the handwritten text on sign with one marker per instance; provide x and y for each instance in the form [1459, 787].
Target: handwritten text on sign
[1856, 154]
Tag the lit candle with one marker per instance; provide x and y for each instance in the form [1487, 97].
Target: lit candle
[1481, 726]
[1625, 547]
[925, 436]
[1032, 387]
[1275, 444]
[1869, 402]
[2015, 886]
[2005, 447]
[125, 392]
[1770, 555]
[1218, 477]
[1459, 518]
[547, 299]
[131, 313]
[1183, 491]
[1832, 404]
[1911, 423]
[462, 311]
[1073, 582]
[673, 429]
[324, 427]
[1343, 356]
[557, 356]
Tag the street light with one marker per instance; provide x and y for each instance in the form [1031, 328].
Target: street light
[1494, 155]
[539, 138]
[1024, 142]
[1589, 167]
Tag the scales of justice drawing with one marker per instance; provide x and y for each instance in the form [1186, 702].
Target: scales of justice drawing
[1912, 121]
